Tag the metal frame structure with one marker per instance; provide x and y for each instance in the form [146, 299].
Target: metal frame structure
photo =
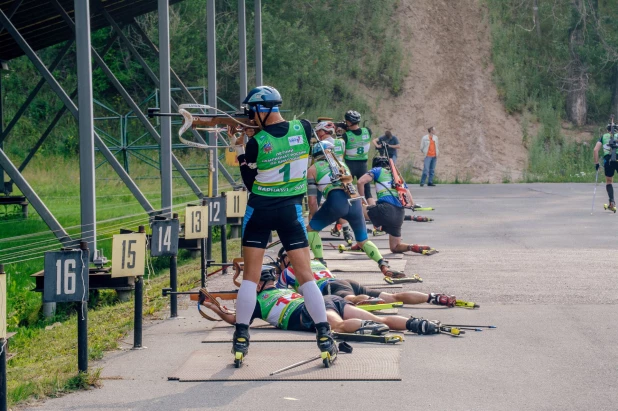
[78, 22]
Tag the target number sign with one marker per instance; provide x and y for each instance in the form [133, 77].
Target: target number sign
[66, 276]
[196, 222]
[236, 203]
[129, 255]
[164, 240]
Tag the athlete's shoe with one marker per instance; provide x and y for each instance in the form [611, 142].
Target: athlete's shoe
[417, 218]
[422, 249]
[240, 344]
[422, 326]
[347, 236]
[326, 344]
[372, 328]
[389, 272]
[443, 299]
[376, 232]
[336, 230]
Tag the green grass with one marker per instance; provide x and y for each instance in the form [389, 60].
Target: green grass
[45, 361]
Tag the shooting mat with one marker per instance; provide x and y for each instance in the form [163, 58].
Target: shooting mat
[366, 363]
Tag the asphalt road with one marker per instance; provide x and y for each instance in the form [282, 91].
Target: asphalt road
[531, 255]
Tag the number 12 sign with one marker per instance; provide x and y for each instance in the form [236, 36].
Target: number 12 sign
[129, 255]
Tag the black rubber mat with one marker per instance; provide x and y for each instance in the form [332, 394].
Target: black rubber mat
[366, 363]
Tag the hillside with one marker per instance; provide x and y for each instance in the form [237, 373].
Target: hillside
[449, 85]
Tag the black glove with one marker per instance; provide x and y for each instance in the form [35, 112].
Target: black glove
[596, 166]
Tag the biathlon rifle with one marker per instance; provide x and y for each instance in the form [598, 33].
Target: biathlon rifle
[398, 183]
[339, 173]
[237, 122]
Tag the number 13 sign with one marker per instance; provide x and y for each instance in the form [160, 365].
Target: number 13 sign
[129, 255]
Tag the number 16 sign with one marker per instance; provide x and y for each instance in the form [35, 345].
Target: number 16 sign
[129, 255]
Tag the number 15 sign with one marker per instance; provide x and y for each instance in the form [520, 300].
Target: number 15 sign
[129, 255]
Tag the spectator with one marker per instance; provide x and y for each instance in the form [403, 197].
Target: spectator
[389, 142]
[429, 148]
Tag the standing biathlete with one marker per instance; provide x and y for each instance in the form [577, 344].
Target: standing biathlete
[357, 144]
[274, 170]
[325, 130]
[388, 213]
[609, 166]
[319, 178]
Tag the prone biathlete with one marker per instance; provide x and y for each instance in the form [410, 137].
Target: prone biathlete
[287, 310]
[274, 170]
[336, 206]
[609, 166]
[388, 213]
[351, 290]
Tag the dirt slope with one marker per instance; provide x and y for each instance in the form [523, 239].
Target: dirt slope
[450, 86]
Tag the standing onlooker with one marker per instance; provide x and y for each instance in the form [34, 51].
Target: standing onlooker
[429, 148]
[389, 142]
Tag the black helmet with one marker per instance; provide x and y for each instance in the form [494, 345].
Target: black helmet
[263, 95]
[353, 117]
[380, 161]
[268, 273]
[281, 256]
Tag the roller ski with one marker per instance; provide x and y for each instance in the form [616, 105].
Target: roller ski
[326, 344]
[611, 206]
[421, 326]
[378, 307]
[422, 249]
[389, 272]
[466, 304]
[355, 247]
[413, 279]
[376, 339]
[420, 207]
[417, 218]
[240, 344]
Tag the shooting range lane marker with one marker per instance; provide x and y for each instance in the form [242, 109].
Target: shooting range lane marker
[367, 363]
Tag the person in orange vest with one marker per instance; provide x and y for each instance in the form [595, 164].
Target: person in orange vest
[429, 148]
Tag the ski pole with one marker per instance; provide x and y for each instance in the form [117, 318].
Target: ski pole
[470, 326]
[596, 179]
[298, 364]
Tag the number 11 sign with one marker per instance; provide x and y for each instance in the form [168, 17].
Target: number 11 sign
[129, 255]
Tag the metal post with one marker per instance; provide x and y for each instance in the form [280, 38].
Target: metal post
[66, 100]
[203, 254]
[212, 89]
[166, 107]
[258, 43]
[2, 190]
[36, 202]
[174, 282]
[3, 342]
[86, 125]
[242, 48]
[224, 243]
[139, 303]
[209, 244]
[82, 326]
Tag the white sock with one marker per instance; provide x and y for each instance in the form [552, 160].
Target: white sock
[245, 303]
[314, 301]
